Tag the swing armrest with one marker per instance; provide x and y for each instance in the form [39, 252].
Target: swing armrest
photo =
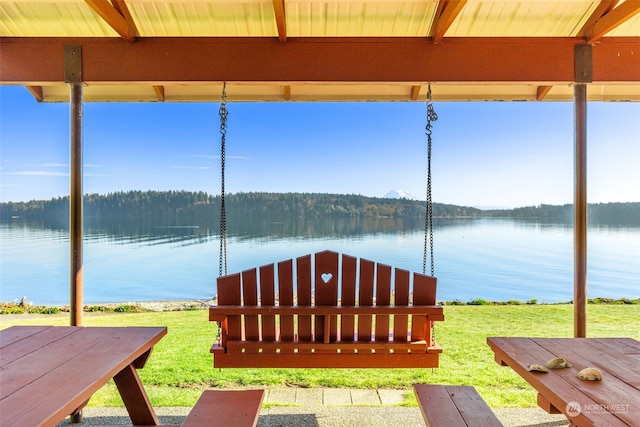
[219, 313]
[220, 345]
[217, 316]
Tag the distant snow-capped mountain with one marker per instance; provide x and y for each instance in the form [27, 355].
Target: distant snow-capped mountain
[399, 194]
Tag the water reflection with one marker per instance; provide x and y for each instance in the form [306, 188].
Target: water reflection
[150, 233]
[486, 258]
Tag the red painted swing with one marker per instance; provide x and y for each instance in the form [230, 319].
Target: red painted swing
[325, 310]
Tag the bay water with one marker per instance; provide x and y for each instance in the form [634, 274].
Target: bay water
[492, 259]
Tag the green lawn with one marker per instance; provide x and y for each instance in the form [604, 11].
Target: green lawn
[181, 365]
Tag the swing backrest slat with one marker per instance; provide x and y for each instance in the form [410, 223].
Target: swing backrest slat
[250, 297]
[285, 296]
[365, 298]
[303, 281]
[349, 280]
[401, 298]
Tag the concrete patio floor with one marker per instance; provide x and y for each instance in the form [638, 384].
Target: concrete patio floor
[328, 407]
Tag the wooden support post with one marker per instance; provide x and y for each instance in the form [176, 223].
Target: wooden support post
[73, 76]
[583, 73]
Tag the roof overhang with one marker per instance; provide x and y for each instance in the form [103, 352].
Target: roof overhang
[323, 50]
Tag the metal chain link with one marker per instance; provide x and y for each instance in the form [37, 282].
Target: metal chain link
[428, 220]
[222, 270]
[218, 340]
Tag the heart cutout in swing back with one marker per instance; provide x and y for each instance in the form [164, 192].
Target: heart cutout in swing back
[326, 277]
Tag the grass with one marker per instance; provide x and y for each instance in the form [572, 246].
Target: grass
[181, 365]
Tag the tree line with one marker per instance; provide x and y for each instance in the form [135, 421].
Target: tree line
[187, 207]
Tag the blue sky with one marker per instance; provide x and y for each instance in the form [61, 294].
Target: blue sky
[505, 154]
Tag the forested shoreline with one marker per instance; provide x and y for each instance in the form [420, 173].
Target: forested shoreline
[185, 207]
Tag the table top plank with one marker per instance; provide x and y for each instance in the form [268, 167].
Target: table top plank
[617, 362]
[31, 342]
[613, 390]
[623, 345]
[17, 333]
[55, 379]
[46, 355]
[559, 386]
[600, 354]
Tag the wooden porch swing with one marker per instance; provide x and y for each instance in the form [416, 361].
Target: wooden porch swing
[325, 310]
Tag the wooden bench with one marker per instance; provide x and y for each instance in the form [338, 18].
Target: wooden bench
[226, 408]
[453, 406]
[237, 408]
[339, 312]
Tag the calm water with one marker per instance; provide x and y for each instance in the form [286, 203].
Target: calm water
[495, 259]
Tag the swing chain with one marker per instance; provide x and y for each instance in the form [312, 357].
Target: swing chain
[218, 340]
[223, 214]
[428, 221]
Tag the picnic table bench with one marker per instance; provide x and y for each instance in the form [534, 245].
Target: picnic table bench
[226, 408]
[339, 311]
[453, 406]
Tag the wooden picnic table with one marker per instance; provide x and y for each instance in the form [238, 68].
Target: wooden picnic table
[614, 401]
[49, 372]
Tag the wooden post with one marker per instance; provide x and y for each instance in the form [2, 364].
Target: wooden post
[583, 69]
[73, 76]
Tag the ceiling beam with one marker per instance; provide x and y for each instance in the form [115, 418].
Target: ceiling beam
[604, 7]
[159, 91]
[542, 91]
[113, 16]
[415, 92]
[281, 21]
[36, 91]
[123, 9]
[446, 13]
[613, 19]
[157, 61]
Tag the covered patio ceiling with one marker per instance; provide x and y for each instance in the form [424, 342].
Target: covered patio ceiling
[323, 50]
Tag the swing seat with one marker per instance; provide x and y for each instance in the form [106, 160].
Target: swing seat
[340, 312]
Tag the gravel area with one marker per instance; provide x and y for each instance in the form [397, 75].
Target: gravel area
[331, 416]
